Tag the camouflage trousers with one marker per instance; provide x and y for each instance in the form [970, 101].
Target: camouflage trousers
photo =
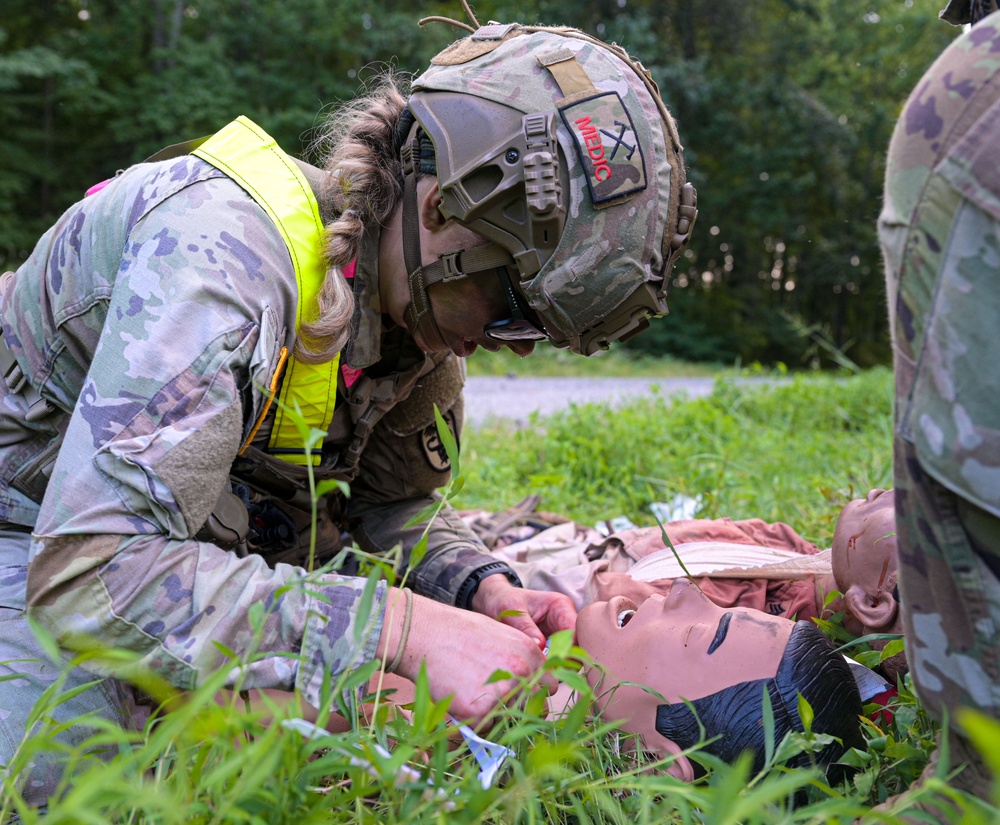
[940, 234]
[949, 561]
[949, 546]
[26, 672]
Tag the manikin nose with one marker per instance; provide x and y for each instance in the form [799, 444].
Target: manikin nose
[682, 590]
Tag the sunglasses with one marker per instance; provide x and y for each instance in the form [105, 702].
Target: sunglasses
[518, 327]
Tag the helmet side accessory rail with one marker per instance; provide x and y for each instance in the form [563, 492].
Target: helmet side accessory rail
[536, 156]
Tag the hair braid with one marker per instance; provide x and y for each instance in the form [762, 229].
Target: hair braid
[364, 188]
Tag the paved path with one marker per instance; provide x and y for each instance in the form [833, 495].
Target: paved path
[516, 398]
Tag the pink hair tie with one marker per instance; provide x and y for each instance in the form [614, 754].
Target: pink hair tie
[97, 187]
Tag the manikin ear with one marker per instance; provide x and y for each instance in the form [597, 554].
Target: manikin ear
[681, 768]
[875, 617]
[661, 747]
[428, 204]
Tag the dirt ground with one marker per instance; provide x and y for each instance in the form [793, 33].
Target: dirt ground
[517, 397]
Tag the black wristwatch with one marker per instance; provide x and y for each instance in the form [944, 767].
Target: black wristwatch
[471, 584]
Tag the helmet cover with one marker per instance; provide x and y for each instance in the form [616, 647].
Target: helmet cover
[614, 194]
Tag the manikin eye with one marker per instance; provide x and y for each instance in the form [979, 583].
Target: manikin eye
[624, 616]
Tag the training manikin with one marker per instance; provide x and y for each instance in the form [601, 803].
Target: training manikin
[684, 647]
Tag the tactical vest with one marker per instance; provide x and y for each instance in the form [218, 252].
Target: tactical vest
[251, 157]
[279, 185]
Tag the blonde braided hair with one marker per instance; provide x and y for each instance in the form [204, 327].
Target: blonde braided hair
[363, 188]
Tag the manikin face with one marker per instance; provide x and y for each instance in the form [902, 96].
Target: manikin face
[682, 646]
[864, 564]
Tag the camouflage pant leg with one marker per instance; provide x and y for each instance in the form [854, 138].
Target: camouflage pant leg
[25, 673]
[940, 235]
[949, 557]
[946, 450]
[947, 374]
[940, 231]
[948, 577]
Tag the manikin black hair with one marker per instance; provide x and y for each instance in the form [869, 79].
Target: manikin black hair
[809, 666]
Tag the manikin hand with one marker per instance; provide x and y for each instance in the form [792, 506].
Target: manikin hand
[536, 613]
[461, 650]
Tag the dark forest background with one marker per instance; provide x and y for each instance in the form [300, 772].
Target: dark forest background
[785, 108]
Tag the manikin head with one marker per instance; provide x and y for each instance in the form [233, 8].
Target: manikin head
[865, 567]
[684, 647]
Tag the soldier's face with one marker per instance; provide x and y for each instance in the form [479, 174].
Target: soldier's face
[463, 308]
[681, 645]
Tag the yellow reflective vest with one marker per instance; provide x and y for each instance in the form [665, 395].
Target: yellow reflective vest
[251, 157]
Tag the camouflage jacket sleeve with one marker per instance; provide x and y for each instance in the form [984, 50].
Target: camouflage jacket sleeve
[455, 561]
[402, 466]
[184, 324]
[940, 235]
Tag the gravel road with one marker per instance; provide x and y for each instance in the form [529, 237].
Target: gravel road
[517, 397]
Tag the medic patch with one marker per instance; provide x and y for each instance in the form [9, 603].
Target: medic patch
[434, 449]
[607, 145]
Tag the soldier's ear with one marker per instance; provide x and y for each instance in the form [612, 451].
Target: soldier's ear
[429, 207]
[876, 614]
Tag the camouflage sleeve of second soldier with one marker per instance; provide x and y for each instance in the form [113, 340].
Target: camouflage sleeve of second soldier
[193, 321]
[402, 466]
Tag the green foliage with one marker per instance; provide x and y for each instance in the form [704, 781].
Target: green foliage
[455, 484]
[898, 749]
[617, 362]
[212, 759]
[794, 452]
[985, 735]
[785, 109]
[88, 87]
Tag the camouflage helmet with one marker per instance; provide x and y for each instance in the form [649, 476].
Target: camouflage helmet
[558, 149]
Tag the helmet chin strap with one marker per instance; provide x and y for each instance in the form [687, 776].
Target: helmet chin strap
[451, 266]
[418, 313]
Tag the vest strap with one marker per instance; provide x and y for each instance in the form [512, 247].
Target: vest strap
[252, 158]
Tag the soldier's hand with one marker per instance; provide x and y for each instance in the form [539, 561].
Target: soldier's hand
[462, 650]
[536, 613]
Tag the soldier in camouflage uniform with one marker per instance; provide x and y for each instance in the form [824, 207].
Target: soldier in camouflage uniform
[940, 232]
[531, 186]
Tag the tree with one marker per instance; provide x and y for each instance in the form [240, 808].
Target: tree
[785, 108]
[88, 87]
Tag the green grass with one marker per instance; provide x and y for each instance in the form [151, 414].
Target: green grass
[792, 453]
[795, 452]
